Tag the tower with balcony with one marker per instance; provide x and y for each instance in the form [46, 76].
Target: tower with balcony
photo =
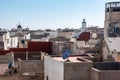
[112, 20]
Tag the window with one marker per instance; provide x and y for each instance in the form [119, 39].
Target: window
[23, 41]
[114, 29]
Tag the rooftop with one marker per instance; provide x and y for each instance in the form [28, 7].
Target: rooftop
[72, 59]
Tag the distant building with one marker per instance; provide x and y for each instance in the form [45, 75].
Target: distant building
[39, 35]
[105, 71]
[66, 33]
[2, 32]
[16, 38]
[84, 24]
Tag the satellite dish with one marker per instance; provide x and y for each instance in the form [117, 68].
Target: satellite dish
[66, 54]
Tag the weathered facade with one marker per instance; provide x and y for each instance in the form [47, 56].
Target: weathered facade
[111, 32]
[112, 19]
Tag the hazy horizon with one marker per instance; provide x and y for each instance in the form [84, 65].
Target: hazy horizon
[52, 14]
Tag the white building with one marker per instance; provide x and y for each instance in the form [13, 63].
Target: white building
[58, 69]
[16, 38]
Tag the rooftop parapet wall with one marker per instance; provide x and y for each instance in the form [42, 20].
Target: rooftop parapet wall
[107, 65]
[105, 74]
[35, 66]
[106, 71]
[77, 71]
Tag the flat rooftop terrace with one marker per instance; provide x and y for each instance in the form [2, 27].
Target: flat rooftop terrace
[71, 59]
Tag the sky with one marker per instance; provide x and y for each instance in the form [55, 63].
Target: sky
[51, 14]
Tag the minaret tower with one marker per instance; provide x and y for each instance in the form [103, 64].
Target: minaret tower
[84, 24]
[19, 29]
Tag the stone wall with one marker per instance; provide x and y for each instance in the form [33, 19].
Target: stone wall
[6, 58]
[77, 71]
[107, 65]
[105, 74]
[36, 66]
[105, 71]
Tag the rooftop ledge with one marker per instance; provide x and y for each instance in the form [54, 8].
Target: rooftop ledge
[72, 59]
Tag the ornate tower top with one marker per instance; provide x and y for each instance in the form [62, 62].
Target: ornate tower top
[19, 26]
